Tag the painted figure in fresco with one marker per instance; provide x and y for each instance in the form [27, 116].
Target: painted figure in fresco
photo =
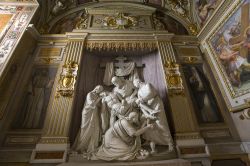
[90, 133]
[58, 7]
[205, 105]
[35, 100]
[205, 7]
[121, 141]
[233, 58]
[232, 47]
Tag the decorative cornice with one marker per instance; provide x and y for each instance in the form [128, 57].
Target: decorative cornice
[124, 45]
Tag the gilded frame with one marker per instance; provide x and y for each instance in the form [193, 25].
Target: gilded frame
[235, 99]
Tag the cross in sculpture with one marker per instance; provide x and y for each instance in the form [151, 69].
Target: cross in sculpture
[244, 25]
[121, 64]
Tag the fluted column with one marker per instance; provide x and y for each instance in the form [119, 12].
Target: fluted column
[188, 141]
[54, 144]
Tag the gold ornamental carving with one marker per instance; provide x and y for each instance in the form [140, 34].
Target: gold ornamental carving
[67, 80]
[82, 23]
[193, 29]
[121, 45]
[120, 21]
[173, 78]
[190, 59]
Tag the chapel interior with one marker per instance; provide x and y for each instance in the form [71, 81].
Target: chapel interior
[125, 82]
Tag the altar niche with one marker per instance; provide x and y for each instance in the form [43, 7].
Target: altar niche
[150, 70]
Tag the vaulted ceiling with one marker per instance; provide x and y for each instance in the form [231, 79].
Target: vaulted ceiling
[191, 14]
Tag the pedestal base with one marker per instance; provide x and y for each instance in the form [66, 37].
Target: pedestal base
[173, 162]
[194, 150]
[50, 153]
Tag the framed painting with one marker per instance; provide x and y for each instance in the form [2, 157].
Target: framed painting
[227, 47]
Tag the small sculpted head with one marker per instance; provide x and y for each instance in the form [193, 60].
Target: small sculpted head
[98, 89]
[137, 82]
[116, 81]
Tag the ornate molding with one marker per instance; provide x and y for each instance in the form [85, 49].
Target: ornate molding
[187, 136]
[245, 114]
[54, 140]
[190, 59]
[124, 45]
[120, 21]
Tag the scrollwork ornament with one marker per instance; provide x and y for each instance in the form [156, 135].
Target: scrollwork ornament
[82, 23]
[193, 29]
[120, 21]
[67, 80]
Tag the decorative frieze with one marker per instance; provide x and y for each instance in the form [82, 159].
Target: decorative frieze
[121, 45]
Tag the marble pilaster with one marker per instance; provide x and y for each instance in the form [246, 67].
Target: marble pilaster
[54, 145]
[189, 143]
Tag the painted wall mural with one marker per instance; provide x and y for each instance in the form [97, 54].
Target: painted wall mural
[36, 97]
[37, 89]
[229, 46]
[204, 10]
[15, 20]
[203, 98]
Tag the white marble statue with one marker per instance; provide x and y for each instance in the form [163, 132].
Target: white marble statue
[152, 107]
[115, 108]
[124, 89]
[90, 132]
[116, 119]
[122, 141]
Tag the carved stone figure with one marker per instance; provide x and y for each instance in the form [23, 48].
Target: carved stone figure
[124, 89]
[118, 121]
[90, 132]
[152, 107]
[115, 107]
[121, 141]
